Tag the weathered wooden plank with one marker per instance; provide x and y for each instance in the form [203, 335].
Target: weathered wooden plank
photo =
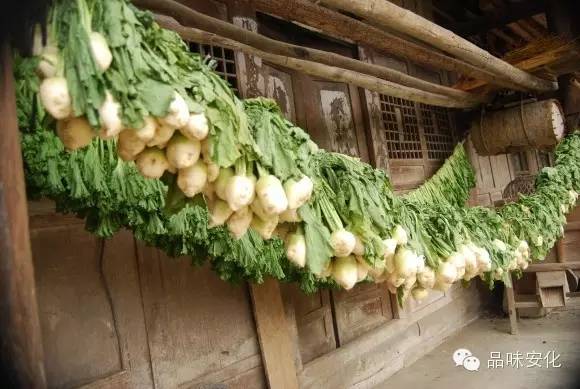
[21, 354]
[274, 335]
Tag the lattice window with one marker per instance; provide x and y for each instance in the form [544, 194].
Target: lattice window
[437, 130]
[225, 61]
[416, 131]
[401, 128]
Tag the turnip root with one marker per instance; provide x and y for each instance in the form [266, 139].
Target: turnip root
[55, 97]
[342, 242]
[419, 293]
[75, 133]
[257, 208]
[389, 247]
[191, 180]
[296, 249]
[100, 49]
[152, 162]
[162, 135]
[182, 152]
[400, 235]
[196, 127]
[395, 279]
[345, 271]
[219, 213]
[213, 171]
[359, 246]
[458, 261]
[240, 221]
[362, 269]
[177, 114]
[129, 145]
[441, 286]
[206, 150]
[265, 227]
[110, 117]
[47, 66]
[271, 194]
[209, 193]
[483, 260]
[239, 191]
[298, 192]
[290, 216]
[470, 259]
[147, 131]
[222, 181]
[446, 273]
[426, 278]
[405, 262]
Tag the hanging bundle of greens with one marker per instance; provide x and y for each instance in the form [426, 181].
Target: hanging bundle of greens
[123, 126]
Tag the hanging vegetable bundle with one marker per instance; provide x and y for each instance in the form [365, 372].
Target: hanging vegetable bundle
[141, 133]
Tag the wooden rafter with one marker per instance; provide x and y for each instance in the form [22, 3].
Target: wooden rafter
[336, 24]
[542, 53]
[391, 16]
[318, 69]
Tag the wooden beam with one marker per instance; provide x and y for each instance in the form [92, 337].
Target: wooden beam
[274, 335]
[404, 21]
[552, 266]
[338, 25]
[21, 355]
[547, 54]
[317, 69]
[499, 18]
[191, 18]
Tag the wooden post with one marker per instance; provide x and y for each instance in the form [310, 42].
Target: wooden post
[512, 312]
[274, 335]
[391, 16]
[21, 355]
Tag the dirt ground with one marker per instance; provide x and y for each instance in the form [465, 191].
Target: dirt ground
[529, 359]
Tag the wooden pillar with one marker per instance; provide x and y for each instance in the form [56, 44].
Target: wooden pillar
[21, 355]
[564, 19]
[274, 331]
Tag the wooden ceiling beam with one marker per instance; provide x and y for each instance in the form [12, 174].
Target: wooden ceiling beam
[499, 18]
[390, 16]
[338, 25]
[316, 69]
[192, 18]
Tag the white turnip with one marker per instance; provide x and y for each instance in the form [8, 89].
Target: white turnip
[182, 152]
[75, 133]
[152, 162]
[55, 97]
[196, 127]
[342, 242]
[191, 180]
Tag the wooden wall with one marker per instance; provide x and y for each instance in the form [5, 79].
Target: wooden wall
[115, 313]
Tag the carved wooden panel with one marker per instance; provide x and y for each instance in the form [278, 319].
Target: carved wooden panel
[200, 329]
[361, 309]
[279, 87]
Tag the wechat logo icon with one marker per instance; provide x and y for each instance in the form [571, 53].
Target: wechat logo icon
[464, 357]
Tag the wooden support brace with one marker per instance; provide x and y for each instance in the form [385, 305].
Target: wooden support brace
[274, 335]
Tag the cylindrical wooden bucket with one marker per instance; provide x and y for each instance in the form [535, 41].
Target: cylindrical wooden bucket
[538, 125]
